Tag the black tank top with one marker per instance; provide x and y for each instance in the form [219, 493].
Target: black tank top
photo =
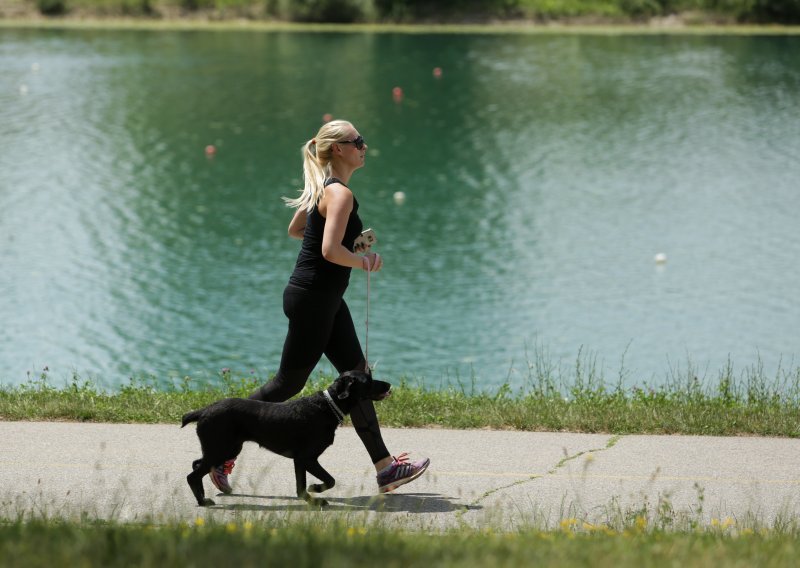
[312, 271]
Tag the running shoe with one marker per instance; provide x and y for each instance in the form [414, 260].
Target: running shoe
[400, 472]
[219, 476]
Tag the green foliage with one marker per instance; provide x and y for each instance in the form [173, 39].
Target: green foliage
[638, 9]
[349, 11]
[785, 11]
[52, 7]
[556, 9]
[333, 11]
[193, 5]
[402, 10]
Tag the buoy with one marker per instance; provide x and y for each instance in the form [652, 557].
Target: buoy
[397, 94]
[437, 72]
[23, 89]
[211, 150]
[399, 197]
[327, 117]
[35, 67]
[660, 258]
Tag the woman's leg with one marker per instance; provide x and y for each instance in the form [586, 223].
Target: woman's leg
[344, 352]
[311, 319]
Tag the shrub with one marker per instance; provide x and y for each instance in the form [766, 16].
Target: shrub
[337, 11]
[641, 8]
[52, 7]
[779, 11]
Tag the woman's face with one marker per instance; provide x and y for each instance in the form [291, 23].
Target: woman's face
[350, 153]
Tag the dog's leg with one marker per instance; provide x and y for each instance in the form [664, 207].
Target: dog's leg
[315, 469]
[195, 480]
[300, 466]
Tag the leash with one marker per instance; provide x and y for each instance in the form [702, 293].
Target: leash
[366, 323]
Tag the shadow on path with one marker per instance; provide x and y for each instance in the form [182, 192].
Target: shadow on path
[391, 503]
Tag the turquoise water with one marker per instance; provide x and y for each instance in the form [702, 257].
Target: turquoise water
[542, 175]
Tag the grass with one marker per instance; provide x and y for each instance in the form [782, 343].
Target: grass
[311, 543]
[577, 398]
[550, 398]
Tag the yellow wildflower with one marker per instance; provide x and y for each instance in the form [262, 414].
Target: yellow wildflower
[567, 524]
[728, 522]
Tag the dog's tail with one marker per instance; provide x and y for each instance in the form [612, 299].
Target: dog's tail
[193, 416]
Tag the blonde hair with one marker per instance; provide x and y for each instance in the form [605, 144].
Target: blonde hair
[317, 156]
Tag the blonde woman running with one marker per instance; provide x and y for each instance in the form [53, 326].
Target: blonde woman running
[320, 323]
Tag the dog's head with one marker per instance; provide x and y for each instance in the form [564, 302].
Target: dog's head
[358, 385]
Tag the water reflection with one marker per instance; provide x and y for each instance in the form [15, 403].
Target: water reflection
[542, 174]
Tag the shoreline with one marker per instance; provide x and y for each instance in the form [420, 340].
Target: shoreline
[657, 26]
[750, 405]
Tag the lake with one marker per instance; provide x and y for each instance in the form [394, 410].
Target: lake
[543, 173]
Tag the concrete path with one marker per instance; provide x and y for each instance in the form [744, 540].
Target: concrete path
[480, 478]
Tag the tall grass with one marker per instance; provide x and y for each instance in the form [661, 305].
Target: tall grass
[550, 397]
[47, 543]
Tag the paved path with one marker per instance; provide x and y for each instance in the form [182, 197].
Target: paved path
[477, 477]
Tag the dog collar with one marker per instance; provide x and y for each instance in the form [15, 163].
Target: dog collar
[334, 408]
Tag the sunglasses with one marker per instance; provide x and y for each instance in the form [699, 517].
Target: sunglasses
[358, 142]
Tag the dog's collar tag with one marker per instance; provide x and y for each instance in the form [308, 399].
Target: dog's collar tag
[336, 411]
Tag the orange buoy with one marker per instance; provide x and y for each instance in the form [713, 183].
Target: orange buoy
[211, 150]
[437, 72]
[327, 117]
[397, 94]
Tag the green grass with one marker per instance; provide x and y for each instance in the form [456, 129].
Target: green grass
[579, 399]
[48, 543]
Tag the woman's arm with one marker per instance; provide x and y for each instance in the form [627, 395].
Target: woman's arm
[297, 226]
[337, 206]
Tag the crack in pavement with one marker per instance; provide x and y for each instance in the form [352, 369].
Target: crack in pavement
[566, 459]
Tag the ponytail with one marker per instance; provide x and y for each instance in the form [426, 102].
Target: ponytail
[317, 154]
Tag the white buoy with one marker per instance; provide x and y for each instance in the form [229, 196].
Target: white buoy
[35, 67]
[399, 197]
[660, 258]
[23, 89]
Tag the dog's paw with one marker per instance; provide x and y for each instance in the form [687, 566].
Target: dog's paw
[316, 503]
[207, 503]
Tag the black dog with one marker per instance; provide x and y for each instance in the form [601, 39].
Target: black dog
[300, 429]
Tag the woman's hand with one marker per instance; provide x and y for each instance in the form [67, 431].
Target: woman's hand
[371, 262]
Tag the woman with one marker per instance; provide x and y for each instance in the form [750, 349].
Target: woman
[327, 222]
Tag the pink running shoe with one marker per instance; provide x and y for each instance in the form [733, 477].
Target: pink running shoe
[400, 472]
[219, 476]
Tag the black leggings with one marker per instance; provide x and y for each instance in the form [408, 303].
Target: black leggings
[320, 323]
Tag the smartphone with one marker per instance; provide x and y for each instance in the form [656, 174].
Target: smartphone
[365, 241]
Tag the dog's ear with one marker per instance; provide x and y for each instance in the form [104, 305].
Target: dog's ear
[348, 381]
